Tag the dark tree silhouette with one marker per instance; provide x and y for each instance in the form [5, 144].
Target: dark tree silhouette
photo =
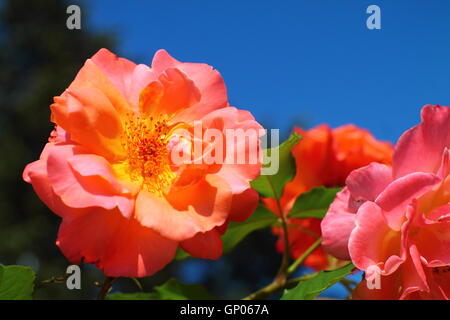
[39, 57]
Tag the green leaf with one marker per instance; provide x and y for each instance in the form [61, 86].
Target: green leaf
[181, 254]
[171, 290]
[309, 289]
[16, 282]
[314, 203]
[272, 186]
[175, 290]
[237, 231]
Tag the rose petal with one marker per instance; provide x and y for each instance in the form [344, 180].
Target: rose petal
[91, 119]
[420, 148]
[207, 80]
[397, 195]
[373, 243]
[243, 205]
[130, 79]
[77, 191]
[206, 245]
[337, 226]
[368, 182]
[118, 246]
[185, 214]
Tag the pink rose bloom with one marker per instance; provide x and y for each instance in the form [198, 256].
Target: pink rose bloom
[395, 222]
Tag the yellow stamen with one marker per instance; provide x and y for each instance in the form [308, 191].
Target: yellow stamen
[145, 142]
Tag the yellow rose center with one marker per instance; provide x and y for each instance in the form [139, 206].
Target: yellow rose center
[145, 142]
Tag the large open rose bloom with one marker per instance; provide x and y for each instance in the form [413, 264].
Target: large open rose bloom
[106, 170]
[396, 221]
[324, 157]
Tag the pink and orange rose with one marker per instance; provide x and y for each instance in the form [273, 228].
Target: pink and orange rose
[107, 172]
[395, 222]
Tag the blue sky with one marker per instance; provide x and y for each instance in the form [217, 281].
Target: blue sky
[300, 62]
